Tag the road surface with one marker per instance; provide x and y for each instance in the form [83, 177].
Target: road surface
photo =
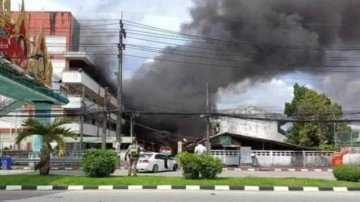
[311, 174]
[175, 196]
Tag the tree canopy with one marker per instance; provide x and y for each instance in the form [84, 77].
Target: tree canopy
[308, 104]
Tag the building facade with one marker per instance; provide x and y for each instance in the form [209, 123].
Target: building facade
[263, 129]
[62, 36]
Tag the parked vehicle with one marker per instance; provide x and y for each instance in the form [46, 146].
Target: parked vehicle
[155, 162]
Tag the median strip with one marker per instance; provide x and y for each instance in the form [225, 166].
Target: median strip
[151, 182]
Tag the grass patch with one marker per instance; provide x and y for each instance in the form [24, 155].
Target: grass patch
[161, 180]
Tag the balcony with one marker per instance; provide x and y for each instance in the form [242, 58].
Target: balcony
[90, 130]
[77, 79]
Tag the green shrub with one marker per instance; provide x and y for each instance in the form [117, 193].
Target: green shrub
[347, 173]
[193, 165]
[190, 165]
[98, 163]
[210, 166]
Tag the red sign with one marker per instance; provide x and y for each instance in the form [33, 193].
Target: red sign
[13, 43]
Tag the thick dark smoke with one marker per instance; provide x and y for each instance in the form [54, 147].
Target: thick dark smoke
[260, 39]
[302, 29]
[99, 42]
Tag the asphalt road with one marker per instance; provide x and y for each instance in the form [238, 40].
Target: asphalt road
[175, 196]
[311, 174]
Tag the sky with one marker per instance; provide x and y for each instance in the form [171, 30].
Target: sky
[169, 15]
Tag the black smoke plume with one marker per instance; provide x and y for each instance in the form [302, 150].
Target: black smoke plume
[258, 39]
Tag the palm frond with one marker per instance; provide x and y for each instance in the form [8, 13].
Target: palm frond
[30, 127]
[31, 122]
[61, 144]
[59, 122]
[66, 132]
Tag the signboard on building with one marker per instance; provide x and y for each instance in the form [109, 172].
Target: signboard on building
[30, 57]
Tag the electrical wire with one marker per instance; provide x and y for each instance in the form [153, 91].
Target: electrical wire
[197, 64]
[237, 42]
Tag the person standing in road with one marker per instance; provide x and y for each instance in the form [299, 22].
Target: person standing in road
[132, 153]
[200, 149]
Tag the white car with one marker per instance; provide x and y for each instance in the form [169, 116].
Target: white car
[155, 162]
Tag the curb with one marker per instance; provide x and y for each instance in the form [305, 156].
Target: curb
[224, 169]
[281, 169]
[170, 187]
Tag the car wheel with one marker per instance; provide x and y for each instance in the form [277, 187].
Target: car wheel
[175, 167]
[155, 168]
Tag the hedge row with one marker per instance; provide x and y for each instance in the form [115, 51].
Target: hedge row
[347, 173]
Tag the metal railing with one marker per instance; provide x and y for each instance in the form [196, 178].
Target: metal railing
[34, 155]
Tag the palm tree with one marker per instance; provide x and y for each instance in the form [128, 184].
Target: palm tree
[52, 132]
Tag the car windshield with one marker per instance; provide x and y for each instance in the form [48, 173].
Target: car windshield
[145, 155]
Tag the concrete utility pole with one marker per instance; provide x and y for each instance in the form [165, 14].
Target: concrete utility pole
[121, 47]
[82, 117]
[104, 128]
[208, 148]
[132, 126]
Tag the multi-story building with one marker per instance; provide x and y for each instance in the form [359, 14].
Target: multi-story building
[62, 34]
[88, 97]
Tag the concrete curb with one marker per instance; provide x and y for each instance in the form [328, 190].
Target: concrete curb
[281, 169]
[171, 187]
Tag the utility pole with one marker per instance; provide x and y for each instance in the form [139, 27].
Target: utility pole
[121, 47]
[82, 117]
[132, 123]
[208, 148]
[132, 127]
[104, 128]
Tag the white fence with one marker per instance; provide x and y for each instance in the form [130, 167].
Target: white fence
[228, 157]
[272, 158]
[264, 158]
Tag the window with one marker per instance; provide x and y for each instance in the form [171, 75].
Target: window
[159, 156]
